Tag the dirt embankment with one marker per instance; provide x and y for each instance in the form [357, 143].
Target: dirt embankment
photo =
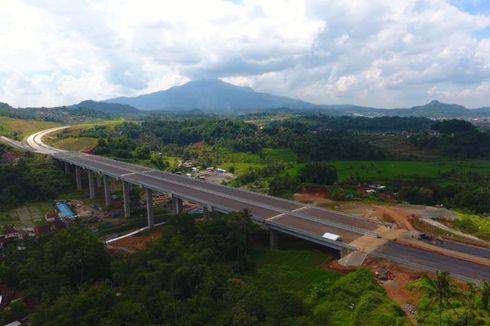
[313, 195]
[135, 243]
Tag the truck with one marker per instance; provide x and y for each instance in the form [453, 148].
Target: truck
[332, 236]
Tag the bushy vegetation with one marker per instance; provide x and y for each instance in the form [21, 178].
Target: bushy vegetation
[473, 224]
[58, 114]
[173, 136]
[458, 139]
[445, 303]
[31, 178]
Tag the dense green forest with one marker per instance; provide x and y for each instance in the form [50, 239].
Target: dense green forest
[211, 273]
[33, 177]
[310, 137]
[196, 273]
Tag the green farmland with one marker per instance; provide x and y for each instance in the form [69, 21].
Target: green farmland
[381, 170]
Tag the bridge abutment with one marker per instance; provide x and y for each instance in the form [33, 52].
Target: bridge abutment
[345, 252]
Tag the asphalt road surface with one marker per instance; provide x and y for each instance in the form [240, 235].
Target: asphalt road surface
[435, 261]
[461, 247]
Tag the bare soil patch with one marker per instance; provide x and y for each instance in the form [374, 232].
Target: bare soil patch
[136, 242]
[396, 285]
[313, 195]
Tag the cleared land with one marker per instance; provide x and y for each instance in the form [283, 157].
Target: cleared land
[27, 215]
[75, 143]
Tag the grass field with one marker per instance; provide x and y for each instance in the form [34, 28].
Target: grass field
[75, 143]
[24, 127]
[297, 270]
[400, 147]
[111, 124]
[268, 155]
[473, 224]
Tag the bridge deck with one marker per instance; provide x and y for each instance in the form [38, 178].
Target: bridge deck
[313, 227]
[262, 207]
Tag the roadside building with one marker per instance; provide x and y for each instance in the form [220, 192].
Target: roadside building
[51, 216]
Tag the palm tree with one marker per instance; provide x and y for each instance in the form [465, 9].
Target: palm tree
[439, 290]
[485, 294]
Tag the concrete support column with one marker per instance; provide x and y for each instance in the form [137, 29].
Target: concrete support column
[273, 240]
[127, 209]
[99, 180]
[206, 211]
[176, 205]
[67, 168]
[91, 184]
[112, 185]
[149, 207]
[78, 178]
[107, 191]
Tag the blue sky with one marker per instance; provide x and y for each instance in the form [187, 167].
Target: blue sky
[474, 7]
[396, 53]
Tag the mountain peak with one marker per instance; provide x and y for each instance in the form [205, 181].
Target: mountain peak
[434, 102]
[211, 95]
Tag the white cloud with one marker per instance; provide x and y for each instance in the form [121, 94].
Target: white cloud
[396, 53]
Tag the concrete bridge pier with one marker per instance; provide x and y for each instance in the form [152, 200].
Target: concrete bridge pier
[91, 184]
[78, 178]
[127, 207]
[273, 239]
[67, 168]
[149, 207]
[107, 190]
[206, 211]
[176, 205]
[99, 181]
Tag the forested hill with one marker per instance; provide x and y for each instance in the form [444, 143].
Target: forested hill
[113, 108]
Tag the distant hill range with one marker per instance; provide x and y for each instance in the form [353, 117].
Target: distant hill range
[434, 109]
[215, 96]
[112, 108]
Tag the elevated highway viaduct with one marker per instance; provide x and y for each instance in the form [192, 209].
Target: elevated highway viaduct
[276, 214]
